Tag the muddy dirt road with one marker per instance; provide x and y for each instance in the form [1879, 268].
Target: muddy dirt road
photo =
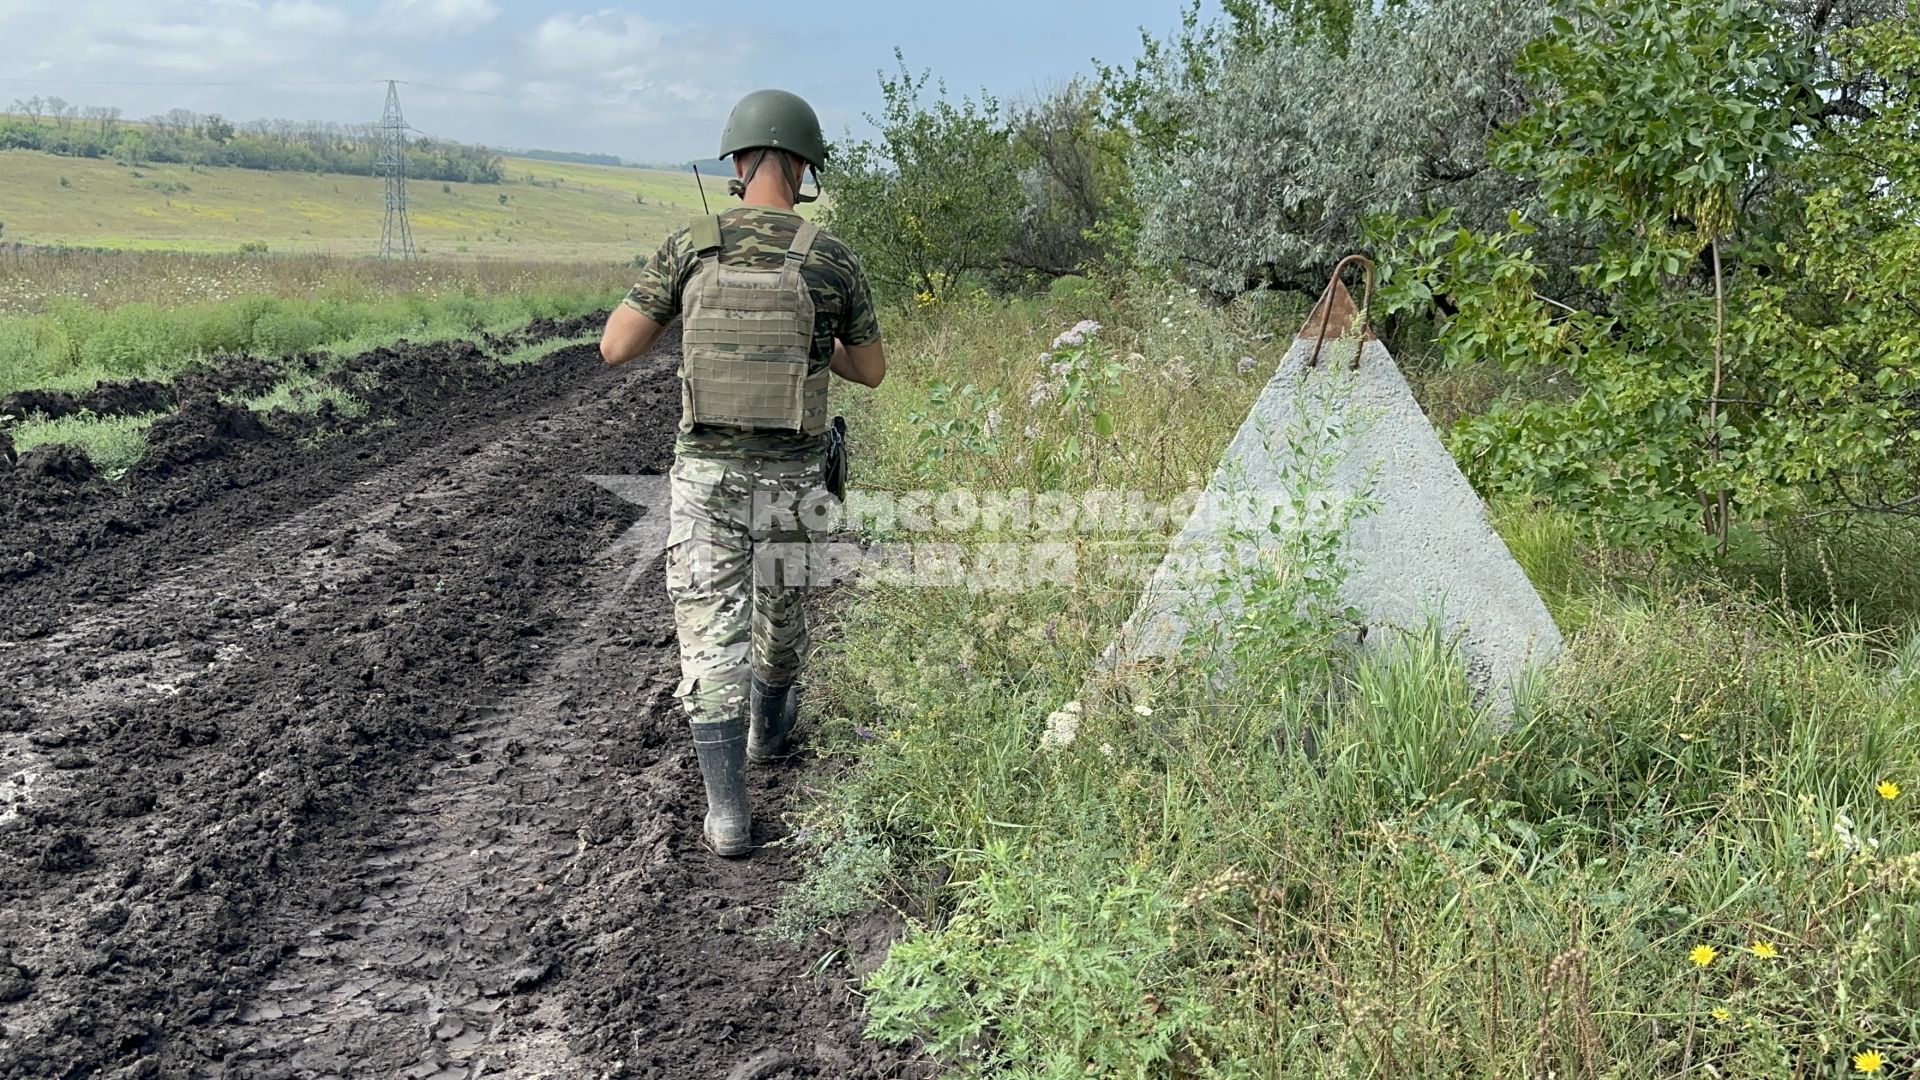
[357, 756]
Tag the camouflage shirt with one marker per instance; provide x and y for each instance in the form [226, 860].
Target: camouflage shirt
[758, 237]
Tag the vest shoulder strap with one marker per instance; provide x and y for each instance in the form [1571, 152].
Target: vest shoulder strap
[803, 242]
[705, 234]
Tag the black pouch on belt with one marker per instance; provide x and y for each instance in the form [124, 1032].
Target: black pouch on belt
[837, 458]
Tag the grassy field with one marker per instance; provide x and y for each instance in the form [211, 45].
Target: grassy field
[551, 210]
[1695, 851]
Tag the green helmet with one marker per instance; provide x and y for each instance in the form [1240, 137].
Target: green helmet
[779, 119]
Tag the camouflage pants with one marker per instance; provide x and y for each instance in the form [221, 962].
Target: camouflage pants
[736, 611]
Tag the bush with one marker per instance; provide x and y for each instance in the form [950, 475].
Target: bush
[134, 340]
[287, 332]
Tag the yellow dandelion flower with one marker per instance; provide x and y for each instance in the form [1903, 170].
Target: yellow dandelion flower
[1869, 1062]
[1722, 1014]
[1702, 955]
[1888, 790]
[1764, 950]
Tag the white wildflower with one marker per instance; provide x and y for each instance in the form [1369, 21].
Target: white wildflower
[1076, 335]
[1063, 725]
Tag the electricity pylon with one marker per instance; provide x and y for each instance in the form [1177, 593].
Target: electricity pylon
[396, 236]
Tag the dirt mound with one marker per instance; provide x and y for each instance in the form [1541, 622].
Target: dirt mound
[204, 428]
[52, 403]
[543, 329]
[57, 464]
[408, 379]
[231, 375]
[45, 477]
[39, 521]
[129, 397]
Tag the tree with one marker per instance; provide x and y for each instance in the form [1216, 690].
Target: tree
[219, 130]
[1266, 143]
[931, 203]
[1746, 352]
[1074, 186]
[133, 147]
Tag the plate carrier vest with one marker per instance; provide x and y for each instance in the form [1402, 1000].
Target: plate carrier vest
[747, 341]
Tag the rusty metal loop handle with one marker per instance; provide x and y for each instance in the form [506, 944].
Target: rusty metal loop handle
[1326, 313]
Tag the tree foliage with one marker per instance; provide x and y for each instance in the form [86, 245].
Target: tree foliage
[1267, 140]
[931, 201]
[1746, 352]
[1075, 205]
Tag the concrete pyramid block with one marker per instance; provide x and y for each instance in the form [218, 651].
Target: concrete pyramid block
[1328, 437]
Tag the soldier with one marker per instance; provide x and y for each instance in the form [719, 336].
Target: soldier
[772, 306]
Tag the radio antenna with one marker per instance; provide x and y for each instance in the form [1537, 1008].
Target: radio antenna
[704, 208]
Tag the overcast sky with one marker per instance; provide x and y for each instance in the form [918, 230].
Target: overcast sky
[645, 81]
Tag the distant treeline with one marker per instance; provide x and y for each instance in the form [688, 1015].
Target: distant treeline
[709, 165]
[182, 137]
[571, 157]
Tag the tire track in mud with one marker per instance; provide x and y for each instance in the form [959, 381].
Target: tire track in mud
[357, 761]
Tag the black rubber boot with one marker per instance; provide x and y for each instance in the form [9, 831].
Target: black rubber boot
[722, 749]
[775, 711]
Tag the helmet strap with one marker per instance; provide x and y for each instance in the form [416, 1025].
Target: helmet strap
[737, 187]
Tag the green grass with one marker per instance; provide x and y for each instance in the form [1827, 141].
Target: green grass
[306, 396]
[72, 345]
[538, 351]
[1183, 891]
[552, 210]
[112, 443]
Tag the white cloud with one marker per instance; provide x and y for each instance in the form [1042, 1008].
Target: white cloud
[231, 39]
[301, 17]
[604, 42]
[437, 16]
[679, 73]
